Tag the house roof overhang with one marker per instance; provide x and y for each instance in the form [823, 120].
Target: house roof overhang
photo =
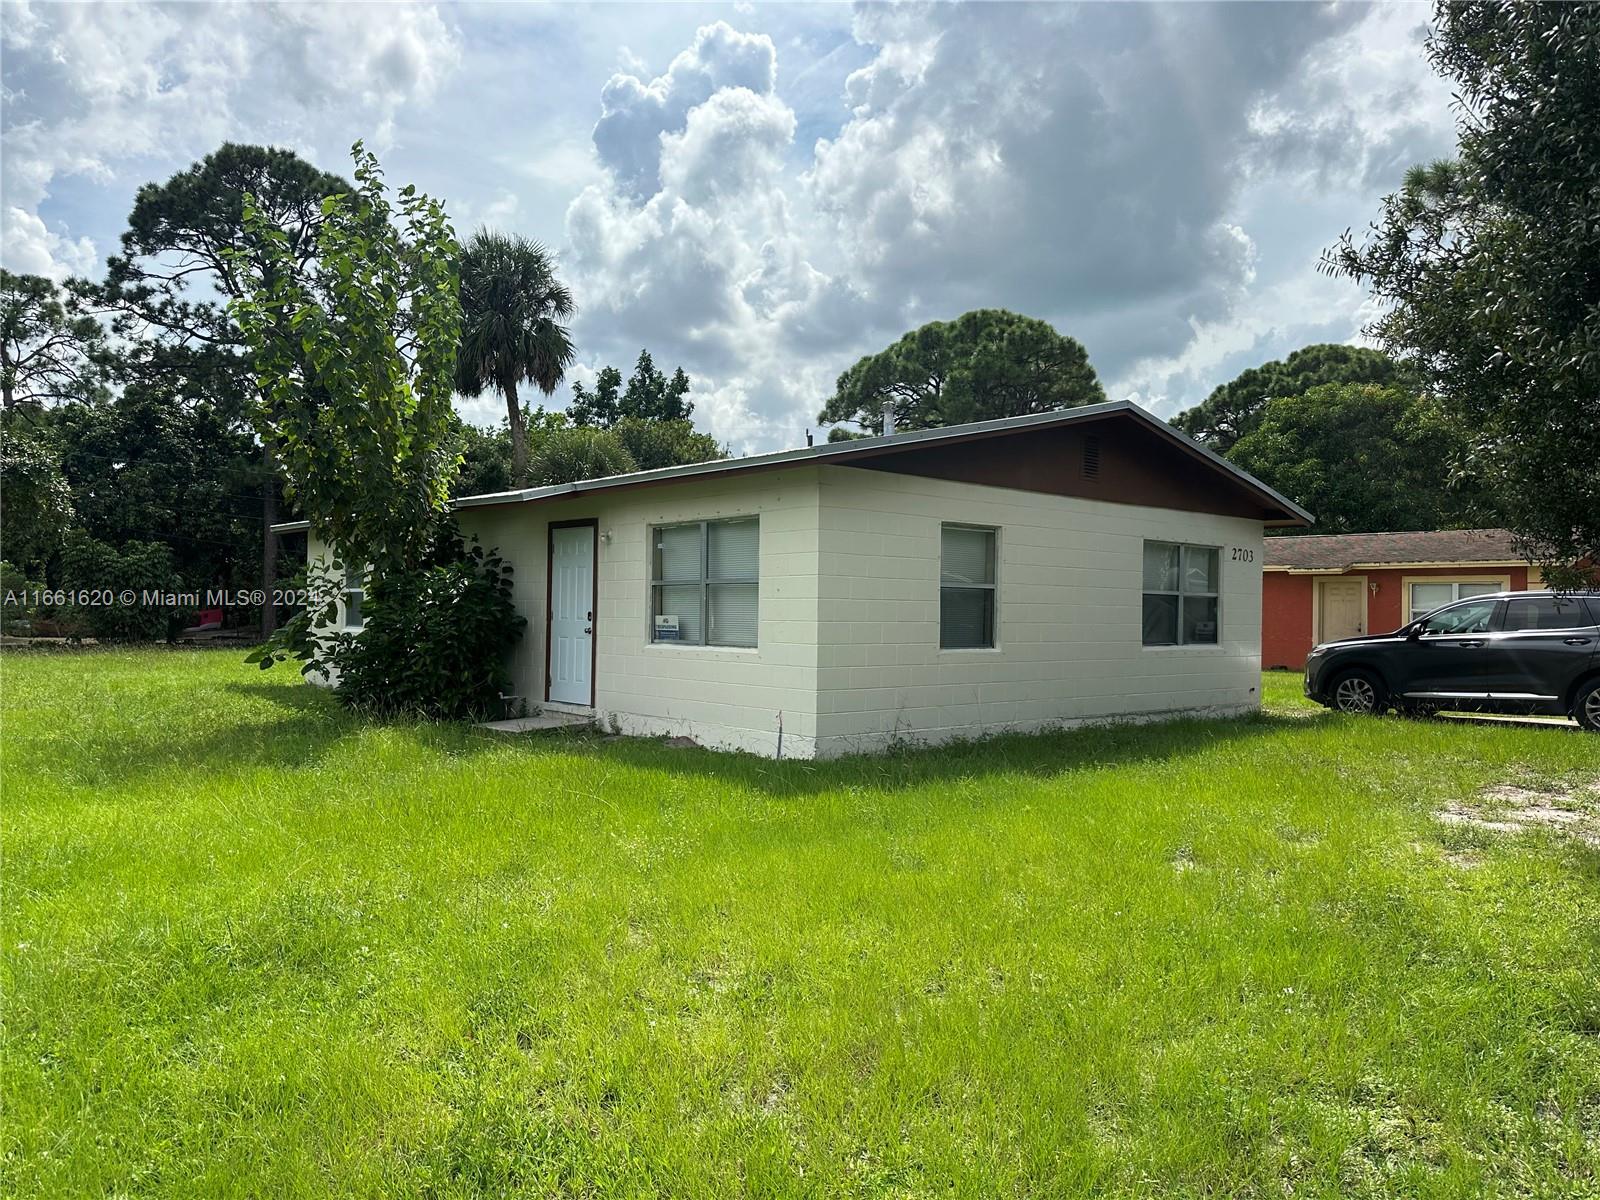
[1465, 565]
[1277, 509]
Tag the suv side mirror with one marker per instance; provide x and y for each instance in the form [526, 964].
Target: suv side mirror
[1413, 631]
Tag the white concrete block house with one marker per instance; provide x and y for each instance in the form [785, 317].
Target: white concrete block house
[1019, 574]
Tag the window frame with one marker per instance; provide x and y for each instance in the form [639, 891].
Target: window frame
[1588, 618]
[706, 583]
[992, 587]
[1500, 583]
[359, 592]
[1496, 606]
[1179, 593]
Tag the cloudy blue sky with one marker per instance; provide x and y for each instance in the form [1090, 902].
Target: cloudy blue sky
[763, 193]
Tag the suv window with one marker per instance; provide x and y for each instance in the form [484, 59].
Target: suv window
[1544, 612]
[1463, 618]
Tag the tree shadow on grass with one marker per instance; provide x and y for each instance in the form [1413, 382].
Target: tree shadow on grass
[1034, 755]
[302, 728]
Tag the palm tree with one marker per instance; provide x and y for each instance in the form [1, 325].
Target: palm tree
[512, 309]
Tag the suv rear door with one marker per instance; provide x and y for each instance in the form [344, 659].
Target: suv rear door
[1539, 647]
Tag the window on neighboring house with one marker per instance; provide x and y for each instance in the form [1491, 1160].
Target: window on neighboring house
[1425, 597]
[354, 592]
[966, 587]
[705, 582]
[1182, 586]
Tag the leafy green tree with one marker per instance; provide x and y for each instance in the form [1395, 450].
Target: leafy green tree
[89, 564]
[35, 498]
[985, 364]
[1234, 408]
[1362, 457]
[184, 257]
[660, 443]
[156, 464]
[651, 396]
[436, 640]
[48, 355]
[355, 354]
[485, 460]
[650, 418]
[18, 612]
[600, 407]
[568, 455]
[486, 453]
[185, 253]
[1490, 266]
[512, 331]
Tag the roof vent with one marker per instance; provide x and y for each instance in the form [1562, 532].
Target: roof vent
[1091, 457]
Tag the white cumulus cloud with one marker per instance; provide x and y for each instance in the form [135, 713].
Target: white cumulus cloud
[96, 91]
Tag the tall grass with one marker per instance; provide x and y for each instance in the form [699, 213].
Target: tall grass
[256, 947]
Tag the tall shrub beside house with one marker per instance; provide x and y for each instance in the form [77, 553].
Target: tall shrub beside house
[355, 353]
[435, 637]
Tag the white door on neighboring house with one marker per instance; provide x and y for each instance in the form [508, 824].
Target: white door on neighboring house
[1344, 609]
[572, 599]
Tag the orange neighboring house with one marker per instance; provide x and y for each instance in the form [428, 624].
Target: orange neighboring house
[1337, 585]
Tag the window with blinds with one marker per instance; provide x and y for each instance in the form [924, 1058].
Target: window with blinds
[1182, 593]
[705, 582]
[966, 587]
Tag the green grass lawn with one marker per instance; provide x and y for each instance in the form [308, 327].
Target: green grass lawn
[256, 947]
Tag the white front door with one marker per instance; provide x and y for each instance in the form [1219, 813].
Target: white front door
[1344, 609]
[571, 614]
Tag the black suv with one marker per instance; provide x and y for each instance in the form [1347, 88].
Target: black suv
[1511, 652]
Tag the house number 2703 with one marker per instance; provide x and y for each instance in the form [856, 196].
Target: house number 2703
[1240, 555]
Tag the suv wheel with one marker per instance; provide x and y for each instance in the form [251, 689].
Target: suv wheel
[1359, 692]
[1586, 707]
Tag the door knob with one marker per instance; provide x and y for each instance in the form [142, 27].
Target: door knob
[588, 628]
[1469, 644]
[1576, 641]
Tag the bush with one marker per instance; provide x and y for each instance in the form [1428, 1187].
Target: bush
[18, 613]
[656, 443]
[435, 642]
[35, 500]
[105, 575]
[567, 455]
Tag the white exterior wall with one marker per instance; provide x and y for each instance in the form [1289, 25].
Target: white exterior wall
[849, 613]
[320, 559]
[723, 697]
[1068, 614]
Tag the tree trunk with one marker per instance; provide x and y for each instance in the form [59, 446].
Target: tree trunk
[269, 540]
[519, 434]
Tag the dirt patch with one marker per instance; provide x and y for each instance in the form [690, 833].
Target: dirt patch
[1183, 860]
[1517, 808]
